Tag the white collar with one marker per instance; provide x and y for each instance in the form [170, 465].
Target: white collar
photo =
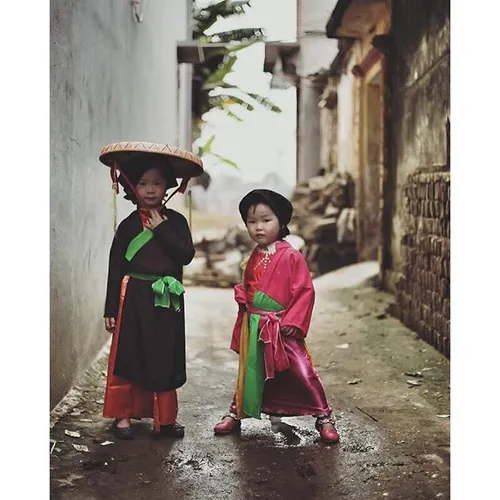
[271, 248]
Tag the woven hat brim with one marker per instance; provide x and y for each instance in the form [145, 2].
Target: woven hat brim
[183, 163]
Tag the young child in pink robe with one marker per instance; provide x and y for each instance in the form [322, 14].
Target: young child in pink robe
[276, 299]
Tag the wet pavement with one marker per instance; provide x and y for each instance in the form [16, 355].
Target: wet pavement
[388, 388]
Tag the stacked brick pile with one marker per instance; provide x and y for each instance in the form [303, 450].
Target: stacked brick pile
[318, 204]
[423, 294]
[219, 253]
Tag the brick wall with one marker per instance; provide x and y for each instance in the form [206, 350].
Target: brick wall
[423, 290]
[417, 111]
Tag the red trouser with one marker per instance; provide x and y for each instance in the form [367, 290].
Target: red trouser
[124, 399]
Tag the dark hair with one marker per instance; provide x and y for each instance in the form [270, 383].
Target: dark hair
[284, 231]
[135, 170]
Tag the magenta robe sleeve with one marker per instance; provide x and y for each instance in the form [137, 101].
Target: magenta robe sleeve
[299, 309]
[240, 297]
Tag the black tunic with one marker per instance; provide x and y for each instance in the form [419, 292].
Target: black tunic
[151, 349]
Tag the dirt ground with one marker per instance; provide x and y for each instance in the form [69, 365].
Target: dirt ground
[388, 388]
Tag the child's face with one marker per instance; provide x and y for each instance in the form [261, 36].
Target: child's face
[262, 224]
[152, 187]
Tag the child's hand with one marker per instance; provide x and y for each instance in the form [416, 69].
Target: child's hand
[110, 324]
[291, 331]
[155, 220]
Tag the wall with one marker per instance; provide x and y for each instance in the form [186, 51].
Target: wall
[345, 120]
[420, 83]
[112, 79]
[360, 135]
[316, 53]
[418, 184]
[423, 292]
[328, 126]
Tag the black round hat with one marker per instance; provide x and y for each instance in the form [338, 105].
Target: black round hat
[280, 205]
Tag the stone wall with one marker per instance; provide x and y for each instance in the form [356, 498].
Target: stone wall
[423, 291]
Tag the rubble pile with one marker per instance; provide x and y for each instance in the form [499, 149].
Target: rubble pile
[324, 216]
[219, 253]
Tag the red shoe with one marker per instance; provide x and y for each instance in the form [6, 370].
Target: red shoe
[327, 431]
[227, 425]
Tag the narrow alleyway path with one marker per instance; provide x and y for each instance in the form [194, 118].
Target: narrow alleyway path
[394, 433]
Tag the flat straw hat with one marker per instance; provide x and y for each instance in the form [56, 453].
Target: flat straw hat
[182, 164]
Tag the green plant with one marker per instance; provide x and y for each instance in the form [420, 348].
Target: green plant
[210, 87]
[206, 150]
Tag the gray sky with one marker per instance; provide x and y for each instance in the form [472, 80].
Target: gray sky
[264, 142]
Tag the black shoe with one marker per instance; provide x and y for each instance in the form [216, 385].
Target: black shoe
[173, 430]
[121, 432]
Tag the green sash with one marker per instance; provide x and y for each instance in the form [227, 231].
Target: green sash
[167, 290]
[138, 242]
[255, 370]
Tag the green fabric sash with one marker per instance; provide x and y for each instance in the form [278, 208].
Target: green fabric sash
[167, 290]
[138, 242]
[255, 370]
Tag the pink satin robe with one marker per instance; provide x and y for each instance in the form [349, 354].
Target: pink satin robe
[287, 280]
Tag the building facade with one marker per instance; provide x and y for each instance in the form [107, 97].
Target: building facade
[393, 93]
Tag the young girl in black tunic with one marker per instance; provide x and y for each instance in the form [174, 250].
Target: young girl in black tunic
[144, 304]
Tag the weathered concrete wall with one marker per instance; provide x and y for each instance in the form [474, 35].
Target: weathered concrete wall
[112, 79]
[328, 126]
[345, 120]
[309, 137]
[316, 53]
[420, 102]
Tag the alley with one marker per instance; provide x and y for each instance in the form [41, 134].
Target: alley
[388, 388]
